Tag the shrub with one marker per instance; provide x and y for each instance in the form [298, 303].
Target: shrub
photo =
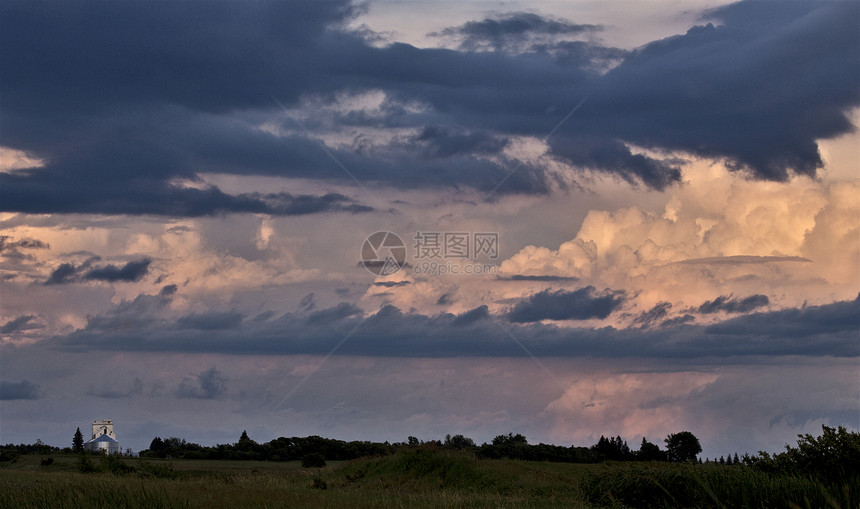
[85, 464]
[313, 460]
[113, 464]
[832, 457]
[157, 470]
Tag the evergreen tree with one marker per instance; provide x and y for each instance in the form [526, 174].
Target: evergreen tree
[649, 452]
[78, 441]
[737, 460]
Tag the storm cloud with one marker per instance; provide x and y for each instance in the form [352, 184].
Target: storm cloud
[210, 384]
[123, 116]
[8, 245]
[512, 32]
[826, 330]
[733, 305]
[24, 322]
[87, 271]
[582, 304]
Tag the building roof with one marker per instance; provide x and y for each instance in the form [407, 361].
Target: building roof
[103, 438]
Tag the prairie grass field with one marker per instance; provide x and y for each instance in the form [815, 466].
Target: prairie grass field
[410, 478]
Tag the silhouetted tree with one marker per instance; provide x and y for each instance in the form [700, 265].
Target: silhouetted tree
[458, 441]
[157, 444]
[412, 441]
[78, 441]
[510, 439]
[834, 456]
[612, 449]
[244, 436]
[682, 446]
[737, 460]
[649, 452]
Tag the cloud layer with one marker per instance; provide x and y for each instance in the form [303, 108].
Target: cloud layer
[827, 330]
[125, 121]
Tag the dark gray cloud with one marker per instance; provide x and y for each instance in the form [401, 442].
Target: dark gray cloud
[728, 304]
[122, 111]
[827, 330]
[512, 32]
[131, 271]
[86, 271]
[742, 259]
[436, 141]
[168, 290]
[613, 156]
[714, 91]
[9, 247]
[657, 313]
[471, 316]
[802, 322]
[520, 277]
[24, 389]
[209, 384]
[582, 304]
[308, 302]
[64, 273]
[339, 312]
[210, 321]
[678, 320]
[21, 323]
[141, 313]
[392, 284]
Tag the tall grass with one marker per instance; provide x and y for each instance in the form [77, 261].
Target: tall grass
[97, 491]
[419, 478]
[683, 485]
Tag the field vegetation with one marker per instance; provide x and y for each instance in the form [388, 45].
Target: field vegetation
[820, 472]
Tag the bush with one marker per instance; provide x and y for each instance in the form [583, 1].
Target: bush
[313, 460]
[832, 457]
[9, 455]
[157, 470]
[113, 464]
[85, 464]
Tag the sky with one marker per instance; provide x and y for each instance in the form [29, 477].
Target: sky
[603, 218]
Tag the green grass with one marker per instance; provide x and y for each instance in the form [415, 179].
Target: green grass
[420, 478]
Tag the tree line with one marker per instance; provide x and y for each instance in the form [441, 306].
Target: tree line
[835, 454]
[682, 446]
